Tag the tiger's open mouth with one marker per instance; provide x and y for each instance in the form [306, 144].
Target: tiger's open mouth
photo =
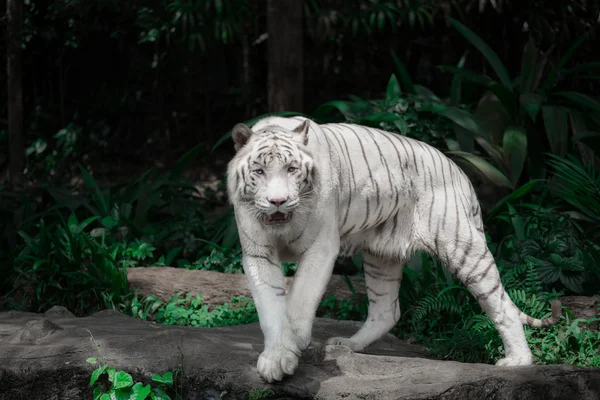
[277, 218]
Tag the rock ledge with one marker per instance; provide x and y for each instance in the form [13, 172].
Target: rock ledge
[42, 356]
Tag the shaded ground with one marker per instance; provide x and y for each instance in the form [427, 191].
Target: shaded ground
[43, 357]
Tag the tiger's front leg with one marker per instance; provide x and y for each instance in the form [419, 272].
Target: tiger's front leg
[266, 282]
[310, 281]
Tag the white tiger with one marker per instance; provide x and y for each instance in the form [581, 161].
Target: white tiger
[307, 192]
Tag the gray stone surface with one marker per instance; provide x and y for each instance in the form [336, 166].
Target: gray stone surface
[43, 357]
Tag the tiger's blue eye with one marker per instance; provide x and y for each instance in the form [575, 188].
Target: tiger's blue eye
[292, 169]
[259, 171]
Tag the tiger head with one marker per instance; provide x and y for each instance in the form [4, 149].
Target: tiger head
[272, 172]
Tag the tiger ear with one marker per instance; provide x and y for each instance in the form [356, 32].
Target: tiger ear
[240, 134]
[302, 131]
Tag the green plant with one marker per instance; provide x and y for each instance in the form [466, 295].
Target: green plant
[580, 187]
[189, 311]
[120, 384]
[571, 342]
[552, 246]
[514, 115]
[63, 264]
[346, 309]
[406, 113]
[367, 17]
[258, 394]
[45, 157]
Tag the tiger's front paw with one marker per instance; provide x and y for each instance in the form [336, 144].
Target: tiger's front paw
[340, 341]
[275, 362]
[515, 361]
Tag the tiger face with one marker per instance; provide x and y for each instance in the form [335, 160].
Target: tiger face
[272, 172]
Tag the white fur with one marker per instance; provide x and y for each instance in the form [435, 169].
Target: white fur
[371, 191]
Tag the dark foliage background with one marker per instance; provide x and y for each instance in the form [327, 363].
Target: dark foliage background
[128, 106]
[147, 79]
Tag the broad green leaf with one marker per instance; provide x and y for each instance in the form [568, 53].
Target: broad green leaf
[508, 99]
[460, 117]
[109, 222]
[466, 74]
[111, 373]
[140, 392]
[487, 52]
[585, 67]
[401, 125]
[166, 378]
[91, 184]
[456, 86]
[465, 139]
[393, 90]
[528, 67]
[346, 108]
[553, 76]
[29, 242]
[578, 185]
[557, 128]
[405, 80]
[357, 260]
[120, 394]
[159, 394]
[492, 117]
[107, 396]
[588, 142]
[492, 151]
[517, 222]
[515, 195]
[96, 374]
[515, 152]
[452, 144]
[121, 380]
[581, 99]
[426, 93]
[532, 103]
[379, 118]
[72, 222]
[97, 393]
[489, 171]
[85, 223]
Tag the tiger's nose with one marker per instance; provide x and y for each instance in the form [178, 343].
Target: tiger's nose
[277, 201]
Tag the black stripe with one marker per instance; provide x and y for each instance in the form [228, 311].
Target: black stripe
[374, 292]
[397, 153]
[442, 163]
[413, 153]
[351, 174]
[475, 266]
[454, 190]
[488, 294]
[348, 231]
[432, 189]
[362, 148]
[267, 259]
[384, 163]
[479, 277]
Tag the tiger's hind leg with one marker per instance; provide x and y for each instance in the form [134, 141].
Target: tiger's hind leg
[382, 279]
[466, 254]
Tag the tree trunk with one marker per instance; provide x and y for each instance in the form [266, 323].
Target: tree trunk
[14, 12]
[285, 55]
